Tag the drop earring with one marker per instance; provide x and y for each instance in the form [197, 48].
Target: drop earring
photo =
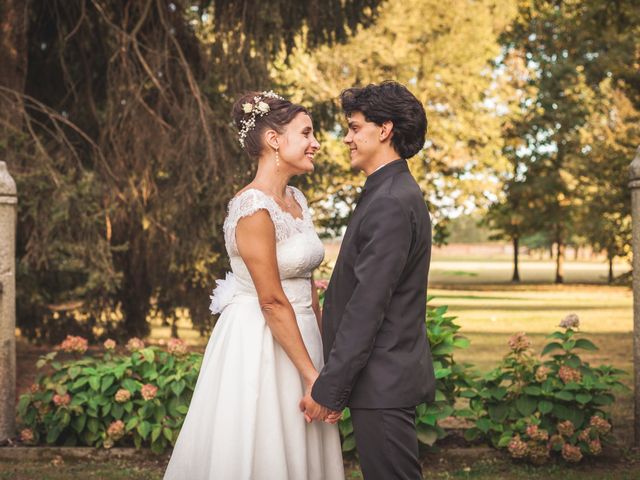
[277, 159]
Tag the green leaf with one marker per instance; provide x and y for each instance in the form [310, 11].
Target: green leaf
[178, 387]
[583, 398]
[545, 407]
[183, 409]
[155, 433]
[568, 344]
[78, 423]
[526, 405]
[585, 344]
[53, 434]
[168, 434]
[564, 395]
[427, 435]
[498, 392]
[93, 425]
[442, 373]
[107, 381]
[349, 444]
[442, 349]
[484, 424]
[94, 383]
[499, 412]
[505, 438]
[532, 390]
[144, 429]
[148, 354]
[132, 423]
[471, 434]
[550, 347]
[80, 383]
[74, 372]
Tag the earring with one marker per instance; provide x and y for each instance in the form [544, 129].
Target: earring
[277, 159]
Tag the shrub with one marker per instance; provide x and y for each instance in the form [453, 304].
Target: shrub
[535, 408]
[138, 397]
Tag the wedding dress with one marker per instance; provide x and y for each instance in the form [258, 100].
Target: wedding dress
[244, 421]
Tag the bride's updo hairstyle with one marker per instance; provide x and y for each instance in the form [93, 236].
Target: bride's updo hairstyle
[255, 112]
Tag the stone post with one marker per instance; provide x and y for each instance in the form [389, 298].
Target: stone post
[634, 186]
[8, 205]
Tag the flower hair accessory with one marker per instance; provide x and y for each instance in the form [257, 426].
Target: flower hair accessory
[258, 108]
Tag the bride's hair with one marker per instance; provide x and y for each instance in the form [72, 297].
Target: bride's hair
[279, 114]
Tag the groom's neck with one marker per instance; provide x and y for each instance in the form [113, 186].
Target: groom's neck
[380, 160]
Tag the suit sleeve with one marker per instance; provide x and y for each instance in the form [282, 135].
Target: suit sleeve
[385, 239]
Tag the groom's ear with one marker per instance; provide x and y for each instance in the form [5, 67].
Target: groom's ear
[386, 130]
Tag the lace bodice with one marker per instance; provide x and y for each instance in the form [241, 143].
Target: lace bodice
[298, 249]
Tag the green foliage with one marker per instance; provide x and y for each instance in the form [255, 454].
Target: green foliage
[451, 379]
[534, 407]
[100, 401]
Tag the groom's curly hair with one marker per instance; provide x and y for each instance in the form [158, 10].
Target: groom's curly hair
[390, 101]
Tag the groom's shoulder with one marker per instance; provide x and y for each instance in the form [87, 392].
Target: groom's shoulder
[402, 187]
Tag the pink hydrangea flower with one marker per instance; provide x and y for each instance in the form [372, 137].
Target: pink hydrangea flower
[135, 344]
[517, 448]
[73, 344]
[571, 453]
[34, 388]
[568, 374]
[519, 342]
[585, 435]
[27, 436]
[536, 433]
[601, 425]
[177, 347]
[542, 373]
[556, 441]
[116, 430]
[566, 428]
[571, 321]
[595, 447]
[109, 344]
[123, 395]
[149, 391]
[62, 400]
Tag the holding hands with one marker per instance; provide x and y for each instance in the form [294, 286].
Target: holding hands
[314, 411]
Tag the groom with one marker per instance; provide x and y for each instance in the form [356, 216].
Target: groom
[378, 361]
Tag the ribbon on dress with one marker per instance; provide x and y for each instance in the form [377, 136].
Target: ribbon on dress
[223, 294]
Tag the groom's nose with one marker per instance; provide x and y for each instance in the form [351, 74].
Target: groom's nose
[347, 139]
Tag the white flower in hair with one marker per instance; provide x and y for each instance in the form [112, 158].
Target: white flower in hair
[259, 108]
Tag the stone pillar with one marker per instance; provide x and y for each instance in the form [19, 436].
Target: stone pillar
[634, 186]
[8, 205]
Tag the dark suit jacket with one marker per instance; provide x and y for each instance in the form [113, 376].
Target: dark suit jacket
[373, 323]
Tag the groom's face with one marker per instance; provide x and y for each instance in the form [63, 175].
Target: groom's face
[363, 140]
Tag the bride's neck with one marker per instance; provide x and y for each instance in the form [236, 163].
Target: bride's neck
[270, 179]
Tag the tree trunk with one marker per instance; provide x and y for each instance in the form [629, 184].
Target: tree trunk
[516, 273]
[13, 60]
[610, 258]
[136, 290]
[559, 261]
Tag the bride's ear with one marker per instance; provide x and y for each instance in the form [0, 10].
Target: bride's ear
[271, 139]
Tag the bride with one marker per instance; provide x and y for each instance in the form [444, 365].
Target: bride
[265, 352]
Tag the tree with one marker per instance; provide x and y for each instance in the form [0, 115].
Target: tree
[443, 52]
[128, 158]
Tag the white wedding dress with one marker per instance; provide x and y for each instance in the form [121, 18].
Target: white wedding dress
[244, 421]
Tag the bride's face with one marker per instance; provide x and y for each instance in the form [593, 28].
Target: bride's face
[298, 145]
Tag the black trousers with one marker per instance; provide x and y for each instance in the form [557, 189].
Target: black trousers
[387, 443]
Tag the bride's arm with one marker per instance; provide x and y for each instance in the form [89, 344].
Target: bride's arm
[315, 303]
[256, 240]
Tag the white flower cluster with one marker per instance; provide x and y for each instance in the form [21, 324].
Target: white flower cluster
[259, 108]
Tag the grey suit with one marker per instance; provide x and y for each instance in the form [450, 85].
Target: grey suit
[375, 346]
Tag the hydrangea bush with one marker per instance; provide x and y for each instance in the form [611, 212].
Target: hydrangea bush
[137, 396]
[539, 407]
